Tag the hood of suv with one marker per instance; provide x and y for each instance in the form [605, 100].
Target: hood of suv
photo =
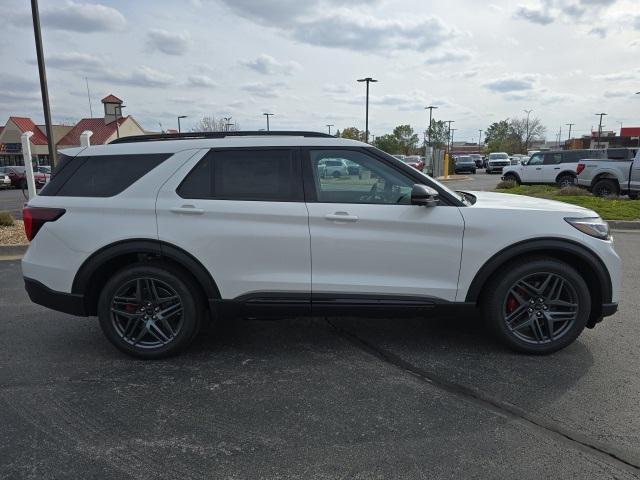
[522, 202]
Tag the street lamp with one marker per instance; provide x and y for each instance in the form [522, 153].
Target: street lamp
[329, 125]
[449, 131]
[226, 123]
[526, 138]
[116, 108]
[179, 117]
[479, 139]
[431, 108]
[268, 115]
[600, 127]
[368, 80]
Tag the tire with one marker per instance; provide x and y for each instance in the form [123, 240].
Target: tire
[336, 174]
[633, 195]
[527, 330]
[133, 330]
[606, 188]
[512, 177]
[566, 180]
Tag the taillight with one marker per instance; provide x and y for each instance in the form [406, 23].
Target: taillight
[580, 168]
[35, 217]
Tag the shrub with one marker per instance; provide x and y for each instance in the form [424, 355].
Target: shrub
[6, 220]
[573, 192]
[506, 185]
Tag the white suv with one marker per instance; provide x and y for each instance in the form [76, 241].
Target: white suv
[554, 167]
[156, 234]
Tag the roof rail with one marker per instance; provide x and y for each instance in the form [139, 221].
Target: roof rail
[197, 135]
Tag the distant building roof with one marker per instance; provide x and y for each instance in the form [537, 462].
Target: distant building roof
[111, 99]
[630, 132]
[101, 131]
[25, 124]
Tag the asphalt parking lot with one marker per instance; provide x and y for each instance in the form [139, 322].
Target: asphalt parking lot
[318, 398]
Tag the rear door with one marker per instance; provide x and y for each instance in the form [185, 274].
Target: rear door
[241, 213]
[369, 243]
[550, 167]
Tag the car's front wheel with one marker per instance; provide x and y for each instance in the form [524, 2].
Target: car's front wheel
[150, 310]
[510, 177]
[538, 306]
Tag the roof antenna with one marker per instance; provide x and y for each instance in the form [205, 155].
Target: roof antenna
[89, 97]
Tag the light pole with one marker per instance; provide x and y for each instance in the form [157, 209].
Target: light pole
[449, 132]
[368, 80]
[451, 139]
[180, 117]
[226, 122]
[526, 138]
[329, 125]
[43, 81]
[600, 126]
[430, 108]
[116, 108]
[479, 138]
[569, 125]
[268, 115]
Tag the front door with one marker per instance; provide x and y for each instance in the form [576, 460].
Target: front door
[532, 171]
[367, 240]
[241, 213]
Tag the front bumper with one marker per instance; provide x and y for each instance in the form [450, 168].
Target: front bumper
[39, 293]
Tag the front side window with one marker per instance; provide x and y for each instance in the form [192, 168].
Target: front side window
[244, 174]
[535, 159]
[371, 182]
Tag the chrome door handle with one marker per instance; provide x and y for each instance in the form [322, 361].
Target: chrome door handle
[341, 217]
[539, 168]
[556, 168]
[188, 209]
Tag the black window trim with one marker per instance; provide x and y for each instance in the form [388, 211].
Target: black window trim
[311, 195]
[297, 193]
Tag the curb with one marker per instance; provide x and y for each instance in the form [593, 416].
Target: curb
[13, 250]
[453, 178]
[624, 224]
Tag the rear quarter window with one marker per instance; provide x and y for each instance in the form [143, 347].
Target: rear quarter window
[100, 176]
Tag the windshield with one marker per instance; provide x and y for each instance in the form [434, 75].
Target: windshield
[464, 160]
[498, 156]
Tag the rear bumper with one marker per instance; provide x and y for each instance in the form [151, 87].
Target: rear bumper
[71, 303]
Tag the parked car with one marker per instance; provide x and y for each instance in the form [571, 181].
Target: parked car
[609, 176]
[464, 163]
[477, 158]
[517, 159]
[353, 168]
[18, 178]
[496, 161]
[5, 180]
[335, 168]
[415, 161]
[45, 169]
[156, 237]
[555, 167]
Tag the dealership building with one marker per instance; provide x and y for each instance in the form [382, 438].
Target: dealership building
[105, 129]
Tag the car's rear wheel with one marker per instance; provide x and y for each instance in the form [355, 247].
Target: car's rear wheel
[538, 306]
[606, 188]
[566, 181]
[150, 310]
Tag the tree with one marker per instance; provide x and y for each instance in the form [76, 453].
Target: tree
[513, 135]
[407, 139]
[497, 136]
[353, 133]
[388, 143]
[210, 124]
[439, 134]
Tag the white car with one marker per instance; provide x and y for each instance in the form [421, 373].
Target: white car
[334, 167]
[5, 180]
[156, 234]
[497, 161]
[552, 167]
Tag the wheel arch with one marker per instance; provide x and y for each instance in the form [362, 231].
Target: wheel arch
[98, 268]
[606, 175]
[578, 256]
[569, 173]
[515, 174]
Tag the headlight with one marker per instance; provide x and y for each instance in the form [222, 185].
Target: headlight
[593, 226]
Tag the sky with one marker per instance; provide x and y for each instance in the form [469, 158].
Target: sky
[478, 62]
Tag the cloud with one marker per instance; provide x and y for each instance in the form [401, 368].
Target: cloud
[598, 31]
[17, 91]
[169, 43]
[201, 81]
[73, 61]
[512, 83]
[267, 65]
[339, 89]
[265, 90]
[598, 3]
[636, 23]
[619, 76]
[451, 56]
[617, 93]
[74, 17]
[140, 77]
[541, 16]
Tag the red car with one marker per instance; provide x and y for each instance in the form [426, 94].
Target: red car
[414, 161]
[18, 178]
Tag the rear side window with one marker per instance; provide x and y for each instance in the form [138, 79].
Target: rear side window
[552, 158]
[100, 176]
[243, 174]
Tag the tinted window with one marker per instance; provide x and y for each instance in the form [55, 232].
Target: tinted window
[552, 158]
[100, 176]
[262, 175]
[372, 182]
[573, 157]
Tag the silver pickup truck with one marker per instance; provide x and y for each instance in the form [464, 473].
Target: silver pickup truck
[604, 177]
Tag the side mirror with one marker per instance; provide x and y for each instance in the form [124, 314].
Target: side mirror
[423, 195]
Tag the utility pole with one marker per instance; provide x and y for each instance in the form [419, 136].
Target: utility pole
[479, 138]
[449, 122]
[569, 125]
[451, 138]
[268, 115]
[179, 117]
[368, 80]
[89, 98]
[600, 127]
[526, 138]
[43, 82]
[430, 108]
[329, 125]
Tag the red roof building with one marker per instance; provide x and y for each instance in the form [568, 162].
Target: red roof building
[630, 132]
[25, 124]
